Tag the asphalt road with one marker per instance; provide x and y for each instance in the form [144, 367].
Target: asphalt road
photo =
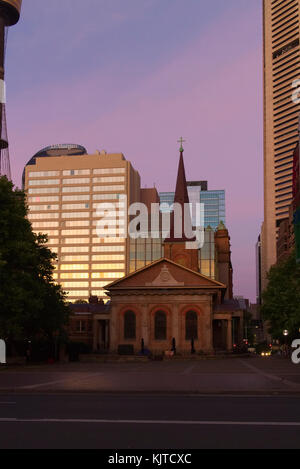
[123, 421]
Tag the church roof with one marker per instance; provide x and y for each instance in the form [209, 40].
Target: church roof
[181, 198]
[165, 273]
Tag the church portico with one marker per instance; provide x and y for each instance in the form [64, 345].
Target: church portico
[153, 305]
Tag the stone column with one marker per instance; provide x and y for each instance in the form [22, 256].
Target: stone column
[208, 340]
[107, 323]
[145, 329]
[175, 325]
[95, 334]
[112, 330]
[229, 334]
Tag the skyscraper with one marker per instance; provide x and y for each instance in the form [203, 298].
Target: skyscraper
[9, 15]
[213, 201]
[64, 187]
[281, 114]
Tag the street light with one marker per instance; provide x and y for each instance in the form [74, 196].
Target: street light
[285, 333]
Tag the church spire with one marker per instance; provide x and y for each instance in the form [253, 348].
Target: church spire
[181, 198]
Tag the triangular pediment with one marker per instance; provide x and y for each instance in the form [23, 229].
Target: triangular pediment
[165, 273]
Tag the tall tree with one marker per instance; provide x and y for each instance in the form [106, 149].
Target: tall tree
[30, 302]
[281, 299]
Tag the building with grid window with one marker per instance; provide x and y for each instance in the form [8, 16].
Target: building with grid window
[212, 200]
[281, 52]
[65, 187]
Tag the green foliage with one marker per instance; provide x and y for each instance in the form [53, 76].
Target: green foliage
[281, 299]
[30, 303]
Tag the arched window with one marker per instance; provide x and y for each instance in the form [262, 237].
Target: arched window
[160, 325]
[191, 325]
[129, 325]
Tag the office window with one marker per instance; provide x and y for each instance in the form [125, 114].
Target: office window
[109, 179]
[76, 189]
[75, 214]
[76, 294]
[82, 258]
[109, 170]
[75, 223]
[39, 208]
[116, 266]
[43, 199]
[74, 275]
[75, 249]
[76, 181]
[75, 206]
[108, 188]
[75, 232]
[121, 247]
[109, 275]
[40, 174]
[73, 198]
[105, 196]
[44, 190]
[76, 172]
[108, 240]
[74, 267]
[75, 284]
[99, 284]
[39, 225]
[75, 240]
[42, 216]
[43, 182]
[108, 257]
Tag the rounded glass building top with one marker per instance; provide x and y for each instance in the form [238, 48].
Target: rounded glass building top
[65, 149]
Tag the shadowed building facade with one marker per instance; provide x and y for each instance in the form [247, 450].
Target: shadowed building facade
[281, 112]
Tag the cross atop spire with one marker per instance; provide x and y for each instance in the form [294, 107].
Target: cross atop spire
[181, 141]
[181, 198]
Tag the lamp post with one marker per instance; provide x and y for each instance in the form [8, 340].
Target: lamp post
[285, 333]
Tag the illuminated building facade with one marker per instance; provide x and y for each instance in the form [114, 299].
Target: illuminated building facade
[64, 187]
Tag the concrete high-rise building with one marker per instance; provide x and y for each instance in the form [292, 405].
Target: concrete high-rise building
[64, 187]
[281, 114]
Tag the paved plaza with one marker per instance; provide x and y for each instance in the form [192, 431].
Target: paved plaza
[224, 375]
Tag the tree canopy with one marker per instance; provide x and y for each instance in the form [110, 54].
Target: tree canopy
[31, 304]
[281, 299]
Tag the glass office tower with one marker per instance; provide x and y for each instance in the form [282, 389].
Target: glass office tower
[213, 201]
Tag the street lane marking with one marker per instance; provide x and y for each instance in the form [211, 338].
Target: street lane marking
[189, 369]
[155, 422]
[7, 403]
[269, 375]
[65, 380]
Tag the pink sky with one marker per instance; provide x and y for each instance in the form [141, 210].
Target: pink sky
[207, 87]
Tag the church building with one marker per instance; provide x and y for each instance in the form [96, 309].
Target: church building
[169, 304]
